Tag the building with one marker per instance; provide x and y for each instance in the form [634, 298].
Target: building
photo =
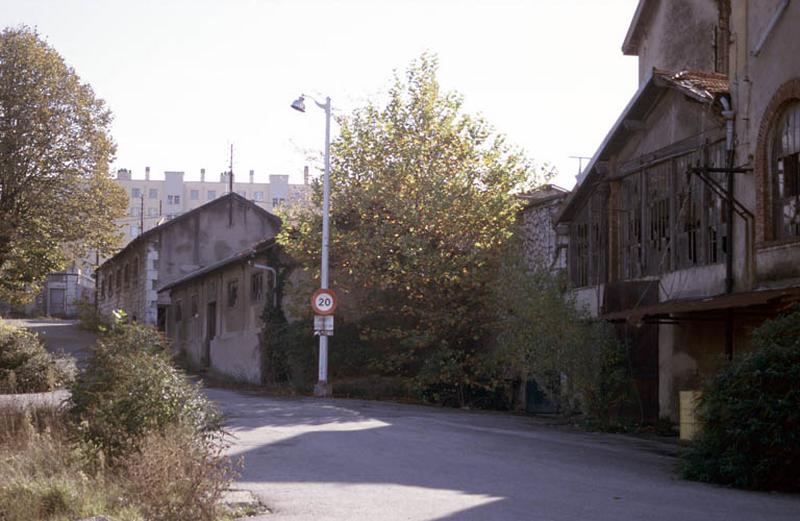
[685, 227]
[543, 247]
[215, 314]
[189, 242]
[153, 201]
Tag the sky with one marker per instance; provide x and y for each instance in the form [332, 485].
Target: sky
[186, 79]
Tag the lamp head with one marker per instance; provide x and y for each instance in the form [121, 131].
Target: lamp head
[299, 104]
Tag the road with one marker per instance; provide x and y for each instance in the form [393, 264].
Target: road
[310, 459]
[332, 460]
[61, 337]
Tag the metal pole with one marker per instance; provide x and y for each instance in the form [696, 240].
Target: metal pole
[322, 388]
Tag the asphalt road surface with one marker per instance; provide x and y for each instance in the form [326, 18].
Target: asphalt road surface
[61, 337]
[310, 459]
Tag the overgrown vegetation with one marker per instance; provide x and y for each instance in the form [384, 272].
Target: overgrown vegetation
[750, 413]
[90, 318]
[138, 441]
[434, 303]
[25, 365]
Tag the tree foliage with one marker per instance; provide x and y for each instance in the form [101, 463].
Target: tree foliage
[56, 198]
[750, 413]
[421, 203]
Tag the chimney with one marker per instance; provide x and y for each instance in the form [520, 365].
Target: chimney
[305, 175]
[202, 175]
[252, 173]
[147, 173]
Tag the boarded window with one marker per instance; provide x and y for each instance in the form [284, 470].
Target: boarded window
[256, 286]
[233, 293]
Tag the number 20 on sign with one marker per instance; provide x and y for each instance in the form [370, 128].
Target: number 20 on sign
[323, 302]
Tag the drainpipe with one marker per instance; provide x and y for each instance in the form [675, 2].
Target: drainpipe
[728, 113]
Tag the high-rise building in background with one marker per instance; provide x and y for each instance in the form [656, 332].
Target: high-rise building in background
[154, 201]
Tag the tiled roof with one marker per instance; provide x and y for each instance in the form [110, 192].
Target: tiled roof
[702, 84]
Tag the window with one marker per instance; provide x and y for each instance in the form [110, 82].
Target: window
[136, 211]
[177, 199]
[135, 231]
[153, 193]
[587, 242]
[170, 199]
[258, 196]
[135, 270]
[256, 286]
[152, 212]
[211, 195]
[136, 193]
[233, 293]
[194, 195]
[670, 219]
[194, 306]
[785, 171]
[178, 310]
[277, 201]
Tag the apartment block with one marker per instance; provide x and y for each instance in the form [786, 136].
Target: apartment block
[155, 201]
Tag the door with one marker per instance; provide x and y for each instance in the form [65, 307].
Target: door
[211, 332]
[56, 302]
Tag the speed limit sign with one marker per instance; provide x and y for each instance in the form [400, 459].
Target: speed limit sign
[323, 302]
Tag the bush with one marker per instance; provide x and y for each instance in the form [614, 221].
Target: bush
[130, 388]
[25, 365]
[750, 414]
[90, 318]
[177, 475]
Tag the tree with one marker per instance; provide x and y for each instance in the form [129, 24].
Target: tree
[57, 200]
[421, 203]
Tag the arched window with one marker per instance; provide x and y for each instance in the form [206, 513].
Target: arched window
[785, 172]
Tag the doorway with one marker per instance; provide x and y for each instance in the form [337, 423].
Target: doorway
[211, 333]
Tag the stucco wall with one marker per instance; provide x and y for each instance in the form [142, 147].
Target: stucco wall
[680, 36]
[235, 350]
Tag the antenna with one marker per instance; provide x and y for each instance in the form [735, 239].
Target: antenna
[580, 162]
[230, 190]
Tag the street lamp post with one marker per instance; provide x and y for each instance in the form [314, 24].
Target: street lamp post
[322, 388]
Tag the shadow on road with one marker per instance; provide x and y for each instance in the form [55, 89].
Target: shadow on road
[389, 458]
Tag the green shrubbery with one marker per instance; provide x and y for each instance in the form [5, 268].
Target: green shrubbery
[138, 441]
[130, 388]
[25, 365]
[751, 415]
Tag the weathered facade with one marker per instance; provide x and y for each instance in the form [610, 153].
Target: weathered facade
[215, 316]
[201, 237]
[685, 227]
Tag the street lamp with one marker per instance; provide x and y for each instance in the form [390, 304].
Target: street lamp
[322, 388]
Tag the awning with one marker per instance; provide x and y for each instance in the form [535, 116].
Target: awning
[770, 297]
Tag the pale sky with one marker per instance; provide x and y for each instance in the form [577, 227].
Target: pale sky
[186, 78]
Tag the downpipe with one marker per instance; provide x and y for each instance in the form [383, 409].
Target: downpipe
[729, 114]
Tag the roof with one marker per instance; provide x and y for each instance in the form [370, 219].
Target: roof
[152, 231]
[542, 194]
[706, 304]
[241, 255]
[701, 86]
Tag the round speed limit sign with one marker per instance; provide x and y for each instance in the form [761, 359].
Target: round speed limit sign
[323, 302]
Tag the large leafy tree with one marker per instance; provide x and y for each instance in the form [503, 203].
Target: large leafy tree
[421, 203]
[57, 200]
